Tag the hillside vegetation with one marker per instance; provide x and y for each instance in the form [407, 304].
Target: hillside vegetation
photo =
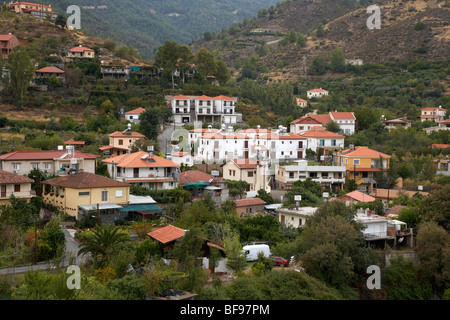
[409, 30]
[146, 24]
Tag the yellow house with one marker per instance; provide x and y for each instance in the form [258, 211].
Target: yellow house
[361, 163]
[121, 142]
[76, 194]
[14, 184]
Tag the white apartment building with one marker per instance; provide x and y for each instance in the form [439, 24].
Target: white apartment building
[345, 120]
[225, 144]
[220, 109]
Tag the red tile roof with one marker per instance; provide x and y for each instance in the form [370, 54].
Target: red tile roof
[135, 160]
[317, 90]
[196, 176]
[180, 154]
[322, 118]
[224, 98]
[131, 134]
[363, 152]
[358, 196]
[343, 115]
[85, 180]
[440, 145]
[249, 202]
[6, 37]
[80, 49]
[180, 97]
[166, 234]
[245, 163]
[203, 97]
[136, 111]
[8, 177]
[432, 109]
[71, 142]
[306, 120]
[320, 132]
[50, 70]
[44, 155]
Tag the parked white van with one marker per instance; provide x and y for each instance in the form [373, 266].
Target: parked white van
[252, 251]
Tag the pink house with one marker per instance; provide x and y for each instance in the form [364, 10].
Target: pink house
[7, 43]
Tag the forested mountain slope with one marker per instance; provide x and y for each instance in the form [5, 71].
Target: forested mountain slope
[146, 24]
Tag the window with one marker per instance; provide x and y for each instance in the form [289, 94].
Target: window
[119, 193]
[250, 174]
[322, 142]
[83, 194]
[104, 195]
[356, 162]
[16, 166]
[17, 188]
[35, 166]
[47, 166]
[120, 142]
[333, 143]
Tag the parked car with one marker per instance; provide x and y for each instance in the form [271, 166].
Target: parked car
[279, 261]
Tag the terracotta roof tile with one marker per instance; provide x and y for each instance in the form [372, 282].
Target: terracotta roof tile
[136, 111]
[249, 202]
[343, 115]
[132, 134]
[358, 196]
[245, 163]
[166, 234]
[85, 180]
[363, 152]
[320, 132]
[196, 176]
[8, 177]
[50, 70]
[80, 49]
[135, 160]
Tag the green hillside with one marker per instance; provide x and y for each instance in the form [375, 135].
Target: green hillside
[146, 24]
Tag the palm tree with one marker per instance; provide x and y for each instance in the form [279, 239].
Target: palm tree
[103, 239]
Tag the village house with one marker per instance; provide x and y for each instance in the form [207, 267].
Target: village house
[199, 183]
[354, 62]
[7, 43]
[121, 142]
[302, 103]
[145, 169]
[81, 53]
[180, 157]
[81, 193]
[47, 72]
[355, 197]
[316, 93]
[389, 195]
[249, 170]
[115, 72]
[443, 166]
[295, 217]
[433, 114]
[331, 177]
[53, 162]
[133, 115]
[345, 120]
[397, 122]
[320, 140]
[16, 185]
[361, 163]
[37, 10]
[249, 207]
